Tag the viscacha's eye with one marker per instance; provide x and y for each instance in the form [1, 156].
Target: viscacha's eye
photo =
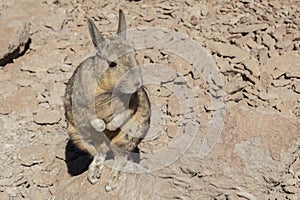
[112, 64]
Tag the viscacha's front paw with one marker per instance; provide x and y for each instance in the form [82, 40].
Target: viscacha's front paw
[98, 124]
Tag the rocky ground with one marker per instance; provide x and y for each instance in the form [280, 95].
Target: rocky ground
[250, 152]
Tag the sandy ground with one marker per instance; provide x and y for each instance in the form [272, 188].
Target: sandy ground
[231, 132]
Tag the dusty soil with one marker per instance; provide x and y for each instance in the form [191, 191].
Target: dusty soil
[252, 153]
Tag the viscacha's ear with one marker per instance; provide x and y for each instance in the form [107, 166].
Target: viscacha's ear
[122, 25]
[95, 34]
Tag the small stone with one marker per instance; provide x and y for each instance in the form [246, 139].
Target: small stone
[267, 96]
[5, 109]
[277, 73]
[291, 189]
[235, 86]
[227, 49]
[32, 155]
[252, 44]
[165, 7]
[251, 91]
[215, 105]
[252, 65]
[293, 73]
[279, 33]
[250, 96]
[65, 67]
[55, 100]
[25, 82]
[43, 179]
[57, 88]
[12, 191]
[264, 82]
[56, 20]
[22, 100]
[295, 167]
[6, 182]
[45, 116]
[263, 56]
[268, 40]
[296, 20]
[13, 44]
[249, 28]
[281, 82]
[296, 87]
[234, 97]
[222, 63]
[204, 10]
[172, 130]
[285, 42]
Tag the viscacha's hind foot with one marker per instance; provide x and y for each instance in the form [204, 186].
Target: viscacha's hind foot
[95, 169]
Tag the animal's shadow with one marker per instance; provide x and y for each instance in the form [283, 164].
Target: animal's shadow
[78, 161]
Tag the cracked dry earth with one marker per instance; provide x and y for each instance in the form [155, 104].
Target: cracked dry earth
[255, 46]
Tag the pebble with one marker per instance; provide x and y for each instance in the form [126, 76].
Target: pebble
[252, 65]
[43, 179]
[5, 109]
[296, 87]
[225, 49]
[46, 116]
[214, 105]
[248, 28]
[31, 155]
[281, 82]
[16, 36]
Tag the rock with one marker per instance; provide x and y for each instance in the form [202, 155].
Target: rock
[285, 42]
[249, 28]
[4, 108]
[293, 73]
[252, 65]
[235, 86]
[296, 86]
[279, 33]
[55, 100]
[22, 100]
[14, 43]
[32, 155]
[56, 20]
[281, 82]
[224, 49]
[295, 167]
[43, 179]
[263, 55]
[287, 107]
[296, 21]
[277, 73]
[222, 63]
[214, 105]
[288, 63]
[8, 87]
[291, 189]
[266, 96]
[264, 81]
[268, 40]
[57, 88]
[165, 6]
[25, 82]
[234, 97]
[252, 44]
[45, 116]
